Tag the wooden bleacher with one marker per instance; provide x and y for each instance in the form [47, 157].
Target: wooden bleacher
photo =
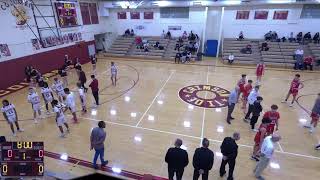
[120, 46]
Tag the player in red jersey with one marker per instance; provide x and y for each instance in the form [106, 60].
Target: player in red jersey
[274, 116]
[258, 139]
[315, 115]
[260, 71]
[241, 84]
[296, 84]
[245, 94]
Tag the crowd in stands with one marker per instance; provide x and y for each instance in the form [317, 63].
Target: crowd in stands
[128, 33]
[185, 51]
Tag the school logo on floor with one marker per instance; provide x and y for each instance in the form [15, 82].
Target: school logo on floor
[206, 96]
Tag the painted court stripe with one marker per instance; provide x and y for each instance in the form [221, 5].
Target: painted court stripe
[88, 164]
[155, 98]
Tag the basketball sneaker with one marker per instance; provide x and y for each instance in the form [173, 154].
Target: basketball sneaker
[20, 130]
[317, 147]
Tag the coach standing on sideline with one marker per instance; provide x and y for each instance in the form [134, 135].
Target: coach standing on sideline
[177, 160]
[233, 98]
[95, 89]
[267, 150]
[97, 138]
[202, 161]
[229, 149]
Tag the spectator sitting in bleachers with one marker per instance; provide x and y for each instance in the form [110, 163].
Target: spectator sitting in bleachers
[299, 37]
[180, 40]
[177, 58]
[247, 49]
[307, 36]
[163, 35]
[274, 36]
[240, 37]
[185, 35]
[178, 46]
[168, 35]
[267, 36]
[291, 38]
[196, 46]
[146, 47]
[138, 41]
[283, 39]
[299, 59]
[197, 37]
[131, 32]
[157, 44]
[230, 58]
[316, 38]
[190, 47]
[127, 33]
[264, 46]
[192, 37]
[308, 61]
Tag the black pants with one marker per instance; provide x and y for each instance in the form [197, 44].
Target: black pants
[230, 61]
[96, 96]
[231, 163]
[177, 59]
[253, 121]
[178, 172]
[230, 110]
[249, 111]
[306, 66]
[196, 174]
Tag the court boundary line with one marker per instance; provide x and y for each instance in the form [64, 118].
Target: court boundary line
[195, 137]
[156, 96]
[204, 110]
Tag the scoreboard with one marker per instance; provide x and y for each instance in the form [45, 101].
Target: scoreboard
[22, 159]
[67, 14]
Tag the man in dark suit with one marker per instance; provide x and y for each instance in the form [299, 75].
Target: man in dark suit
[202, 161]
[177, 160]
[229, 149]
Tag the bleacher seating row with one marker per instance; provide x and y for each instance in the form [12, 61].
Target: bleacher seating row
[124, 46]
[279, 53]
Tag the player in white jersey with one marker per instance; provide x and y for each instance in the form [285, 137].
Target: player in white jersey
[10, 114]
[47, 95]
[114, 72]
[71, 104]
[60, 119]
[34, 99]
[82, 97]
[58, 88]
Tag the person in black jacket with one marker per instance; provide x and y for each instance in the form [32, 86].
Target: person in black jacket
[257, 109]
[177, 160]
[202, 161]
[229, 150]
[82, 79]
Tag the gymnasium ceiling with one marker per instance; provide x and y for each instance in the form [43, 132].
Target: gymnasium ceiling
[192, 3]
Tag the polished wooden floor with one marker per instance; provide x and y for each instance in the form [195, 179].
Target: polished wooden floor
[148, 115]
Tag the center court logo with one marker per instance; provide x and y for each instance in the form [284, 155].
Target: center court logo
[206, 96]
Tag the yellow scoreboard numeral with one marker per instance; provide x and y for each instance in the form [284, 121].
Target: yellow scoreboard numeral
[24, 155]
[19, 145]
[40, 168]
[27, 145]
[5, 168]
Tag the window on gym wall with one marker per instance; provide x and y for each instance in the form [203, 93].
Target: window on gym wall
[310, 11]
[174, 12]
[93, 13]
[89, 13]
[84, 7]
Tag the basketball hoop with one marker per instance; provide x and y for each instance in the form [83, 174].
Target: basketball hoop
[130, 4]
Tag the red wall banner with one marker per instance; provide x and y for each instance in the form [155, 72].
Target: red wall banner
[148, 15]
[242, 14]
[280, 15]
[122, 15]
[135, 15]
[261, 15]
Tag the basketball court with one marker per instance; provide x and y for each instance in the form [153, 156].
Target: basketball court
[145, 114]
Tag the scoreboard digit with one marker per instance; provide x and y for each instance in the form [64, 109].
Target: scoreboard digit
[22, 159]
